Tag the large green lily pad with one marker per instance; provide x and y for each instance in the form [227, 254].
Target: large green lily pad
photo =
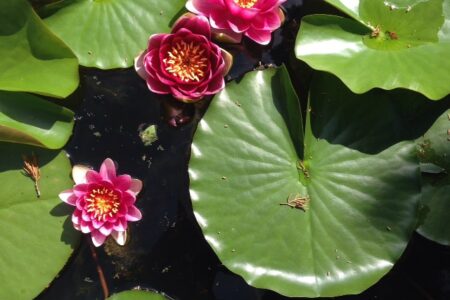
[109, 34]
[33, 59]
[137, 295]
[434, 148]
[36, 238]
[360, 176]
[390, 44]
[27, 119]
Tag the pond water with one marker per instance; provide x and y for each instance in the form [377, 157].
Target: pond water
[167, 251]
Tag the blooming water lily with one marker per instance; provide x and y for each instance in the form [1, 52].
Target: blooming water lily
[256, 19]
[184, 63]
[103, 201]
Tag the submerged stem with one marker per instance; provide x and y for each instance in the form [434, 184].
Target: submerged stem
[101, 275]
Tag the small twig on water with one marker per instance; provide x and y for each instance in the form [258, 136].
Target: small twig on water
[99, 271]
[31, 169]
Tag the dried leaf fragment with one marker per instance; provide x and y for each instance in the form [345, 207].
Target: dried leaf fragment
[31, 169]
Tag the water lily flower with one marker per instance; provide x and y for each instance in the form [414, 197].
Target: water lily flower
[184, 63]
[103, 201]
[256, 19]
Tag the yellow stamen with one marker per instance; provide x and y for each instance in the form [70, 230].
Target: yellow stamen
[103, 202]
[186, 61]
[246, 3]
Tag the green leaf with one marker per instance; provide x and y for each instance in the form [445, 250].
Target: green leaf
[137, 295]
[28, 119]
[37, 238]
[360, 176]
[434, 148]
[434, 145]
[109, 34]
[33, 59]
[386, 46]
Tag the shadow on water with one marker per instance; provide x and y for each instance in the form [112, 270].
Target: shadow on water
[166, 250]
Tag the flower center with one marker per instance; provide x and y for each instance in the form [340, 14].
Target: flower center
[103, 203]
[186, 61]
[246, 3]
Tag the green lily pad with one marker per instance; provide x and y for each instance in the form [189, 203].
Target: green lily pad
[28, 119]
[387, 45]
[37, 238]
[434, 148]
[33, 59]
[360, 177]
[137, 295]
[110, 34]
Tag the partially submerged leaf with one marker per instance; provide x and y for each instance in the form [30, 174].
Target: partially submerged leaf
[36, 238]
[355, 166]
[137, 295]
[110, 34]
[33, 59]
[28, 119]
[434, 148]
[387, 45]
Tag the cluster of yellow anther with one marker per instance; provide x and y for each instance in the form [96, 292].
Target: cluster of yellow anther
[103, 203]
[246, 3]
[186, 61]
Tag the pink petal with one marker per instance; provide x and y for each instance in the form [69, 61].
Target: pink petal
[97, 224]
[260, 36]
[204, 7]
[136, 186]
[106, 229]
[86, 227]
[133, 214]
[85, 216]
[128, 199]
[97, 238]
[217, 20]
[196, 24]
[108, 170]
[238, 25]
[270, 4]
[79, 173]
[216, 84]
[81, 203]
[120, 225]
[76, 217]
[155, 40]
[68, 196]
[93, 177]
[123, 210]
[122, 182]
[139, 65]
[120, 237]
[156, 86]
[81, 189]
[268, 21]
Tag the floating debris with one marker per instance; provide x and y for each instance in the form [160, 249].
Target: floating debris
[301, 166]
[297, 201]
[31, 169]
[148, 135]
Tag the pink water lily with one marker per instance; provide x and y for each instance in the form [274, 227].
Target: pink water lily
[103, 201]
[184, 63]
[256, 19]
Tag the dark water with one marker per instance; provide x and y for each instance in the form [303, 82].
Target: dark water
[167, 251]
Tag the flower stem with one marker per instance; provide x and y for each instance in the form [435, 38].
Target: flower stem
[99, 271]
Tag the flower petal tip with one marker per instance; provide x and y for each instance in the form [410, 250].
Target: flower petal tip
[79, 173]
[120, 237]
